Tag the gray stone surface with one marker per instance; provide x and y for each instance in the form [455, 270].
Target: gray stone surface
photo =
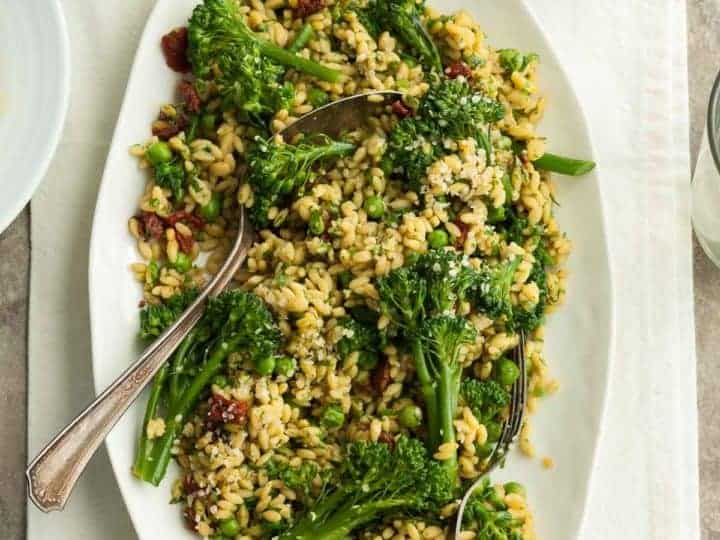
[704, 61]
[14, 272]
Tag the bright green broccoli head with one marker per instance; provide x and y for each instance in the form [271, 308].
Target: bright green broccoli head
[513, 60]
[403, 293]
[451, 109]
[491, 290]
[448, 278]
[242, 318]
[486, 398]
[155, 319]
[374, 479]
[403, 19]
[276, 169]
[487, 515]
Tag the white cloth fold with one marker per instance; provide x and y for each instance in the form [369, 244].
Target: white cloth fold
[627, 61]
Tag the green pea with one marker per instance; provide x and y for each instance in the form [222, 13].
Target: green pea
[285, 366]
[332, 417]
[317, 97]
[374, 207]
[316, 225]
[218, 537]
[411, 258]
[514, 487]
[182, 263]
[494, 429]
[153, 270]
[496, 215]
[221, 380]
[367, 360]
[403, 84]
[507, 372]
[344, 279]
[158, 152]
[410, 416]
[230, 527]
[495, 499]
[211, 210]
[265, 366]
[438, 239]
[485, 450]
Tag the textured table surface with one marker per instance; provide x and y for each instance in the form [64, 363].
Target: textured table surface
[704, 51]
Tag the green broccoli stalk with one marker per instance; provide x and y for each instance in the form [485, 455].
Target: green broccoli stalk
[233, 322]
[487, 515]
[217, 31]
[374, 480]
[451, 109]
[276, 169]
[403, 19]
[421, 302]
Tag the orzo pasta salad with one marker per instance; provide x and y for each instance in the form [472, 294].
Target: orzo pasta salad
[355, 379]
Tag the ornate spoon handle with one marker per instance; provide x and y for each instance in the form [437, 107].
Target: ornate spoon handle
[53, 473]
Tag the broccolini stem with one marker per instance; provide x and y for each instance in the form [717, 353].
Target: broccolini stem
[306, 34]
[179, 362]
[427, 389]
[178, 412]
[447, 398]
[345, 520]
[334, 149]
[290, 59]
[153, 402]
[564, 165]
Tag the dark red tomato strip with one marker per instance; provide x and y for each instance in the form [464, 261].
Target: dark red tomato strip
[174, 46]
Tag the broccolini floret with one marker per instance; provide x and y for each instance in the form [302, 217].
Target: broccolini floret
[250, 67]
[485, 398]
[276, 169]
[491, 289]
[421, 302]
[155, 319]
[374, 480]
[233, 322]
[403, 19]
[451, 109]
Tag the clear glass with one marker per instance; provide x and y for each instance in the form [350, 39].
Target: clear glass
[706, 182]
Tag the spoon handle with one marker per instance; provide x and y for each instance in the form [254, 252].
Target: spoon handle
[53, 473]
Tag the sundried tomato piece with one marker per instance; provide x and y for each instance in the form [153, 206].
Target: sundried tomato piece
[464, 229]
[165, 130]
[189, 518]
[174, 46]
[308, 7]
[225, 411]
[380, 377]
[401, 110]
[190, 96]
[194, 221]
[152, 225]
[189, 485]
[456, 69]
[185, 242]
[386, 438]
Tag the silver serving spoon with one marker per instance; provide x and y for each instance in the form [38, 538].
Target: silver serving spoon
[53, 473]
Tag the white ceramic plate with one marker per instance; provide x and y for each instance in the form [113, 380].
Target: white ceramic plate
[34, 95]
[579, 336]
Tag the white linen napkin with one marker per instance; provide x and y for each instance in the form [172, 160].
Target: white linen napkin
[627, 60]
